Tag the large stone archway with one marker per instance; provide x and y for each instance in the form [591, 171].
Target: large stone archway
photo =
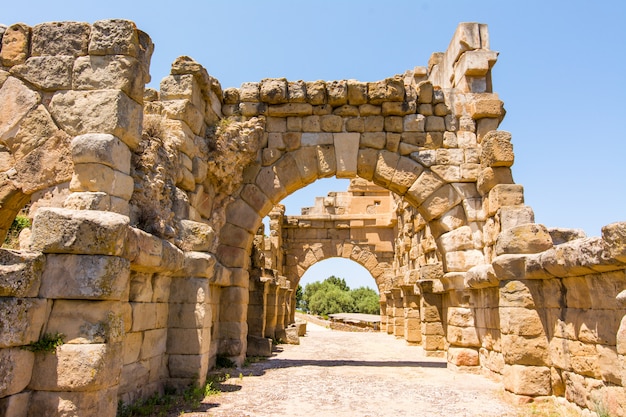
[164, 205]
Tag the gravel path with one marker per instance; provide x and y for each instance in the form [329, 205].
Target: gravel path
[341, 374]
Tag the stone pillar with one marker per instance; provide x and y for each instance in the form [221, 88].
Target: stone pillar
[383, 313]
[524, 342]
[233, 317]
[412, 325]
[281, 308]
[431, 314]
[390, 311]
[462, 337]
[398, 313]
[271, 310]
[256, 308]
[86, 279]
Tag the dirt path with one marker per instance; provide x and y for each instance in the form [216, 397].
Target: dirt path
[341, 374]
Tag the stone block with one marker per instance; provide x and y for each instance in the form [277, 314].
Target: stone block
[463, 356]
[61, 404]
[15, 45]
[132, 347]
[406, 173]
[486, 105]
[83, 367]
[114, 37]
[60, 38]
[16, 366]
[525, 238]
[48, 73]
[89, 277]
[184, 110]
[289, 175]
[481, 276]
[439, 202]
[96, 177]
[521, 350]
[346, 151]
[189, 290]
[20, 273]
[13, 109]
[326, 162]
[497, 150]
[188, 341]
[196, 236]
[154, 343]
[614, 238]
[112, 73]
[505, 195]
[190, 315]
[527, 380]
[104, 111]
[84, 322]
[15, 405]
[259, 346]
[188, 366]
[22, 320]
[140, 287]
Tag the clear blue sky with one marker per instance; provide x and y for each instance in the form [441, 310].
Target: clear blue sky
[561, 72]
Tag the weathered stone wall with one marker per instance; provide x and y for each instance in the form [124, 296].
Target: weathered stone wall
[146, 205]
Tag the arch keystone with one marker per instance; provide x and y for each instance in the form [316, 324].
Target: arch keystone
[346, 151]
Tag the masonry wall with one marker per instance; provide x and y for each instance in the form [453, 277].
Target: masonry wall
[146, 206]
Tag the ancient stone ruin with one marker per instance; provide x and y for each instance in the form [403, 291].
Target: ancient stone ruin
[146, 251]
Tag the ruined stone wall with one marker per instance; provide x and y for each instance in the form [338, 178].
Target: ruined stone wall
[146, 207]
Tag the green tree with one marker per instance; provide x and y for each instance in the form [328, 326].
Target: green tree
[338, 282]
[299, 297]
[365, 300]
[331, 299]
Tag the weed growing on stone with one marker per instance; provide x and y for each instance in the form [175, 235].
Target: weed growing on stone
[11, 241]
[48, 343]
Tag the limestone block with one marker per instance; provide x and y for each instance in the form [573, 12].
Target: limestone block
[17, 100]
[154, 343]
[235, 236]
[103, 111]
[250, 92]
[406, 173]
[578, 257]
[189, 316]
[116, 72]
[331, 123]
[184, 110]
[386, 167]
[375, 140]
[527, 380]
[486, 105]
[252, 109]
[188, 341]
[425, 185]
[497, 150]
[289, 175]
[337, 92]
[16, 366]
[87, 321]
[60, 404]
[516, 294]
[255, 198]
[196, 236]
[20, 273]
[373, 123]
[188, 366]
[525, 238]
[457, 240]
[259, 346]
[60, 38]
[463, 356]
[22, 320]
[316, 92]
[237, 277]
[439, 202]
[516, 216]
[84, 367]
[481, 276]
[326, 162]
[296, 91]
[85, 277]
[357, 92]
[140, 287]
[522, 350]
[311, 124]
[505, 195]
[101, 148]
[15, 405]
[47, 73]
[614, 238]
[366, 163]
[273, 90]
[269, 183]
[57, 230]
[315, 139]
[189, 290]
[394, 124]
[15, 45]
[414, 123]
[521, 321]
[290, 110]
[460, 261]
[114, 37]
[346, 151]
